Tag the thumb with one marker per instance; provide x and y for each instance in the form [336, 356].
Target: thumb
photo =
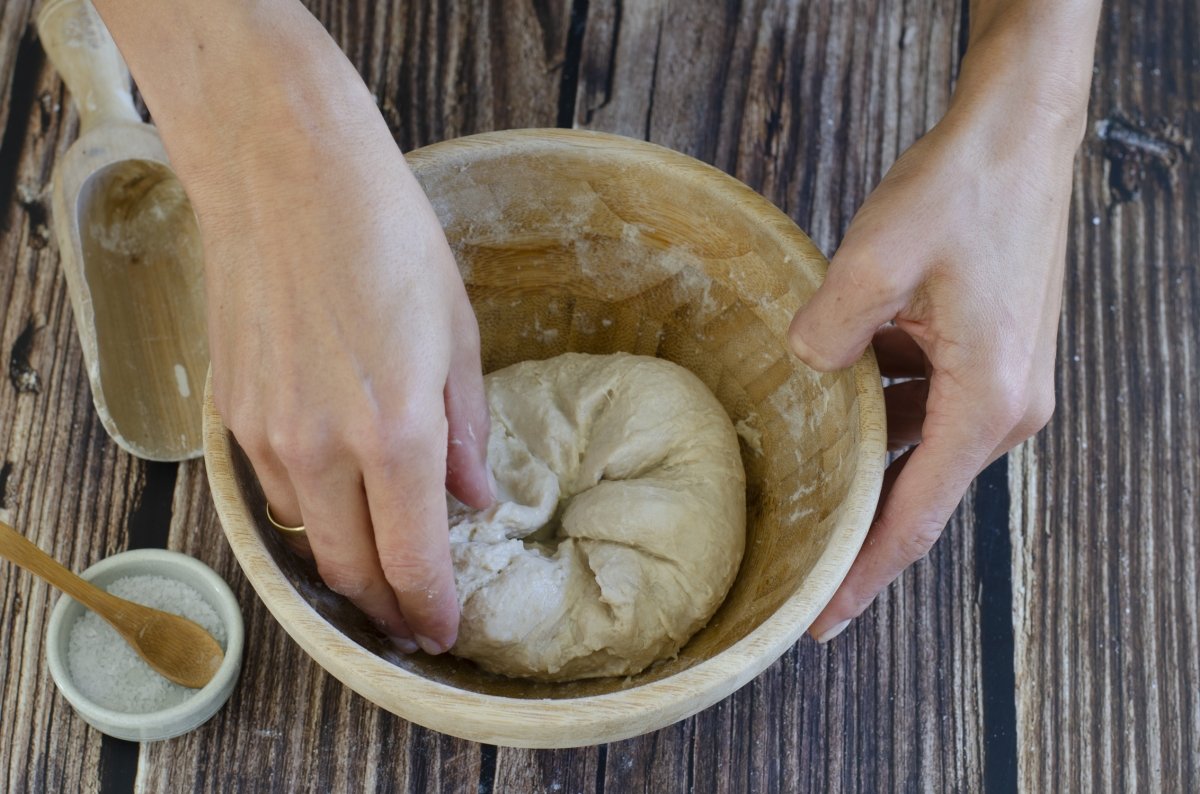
[860, 294]
[467, 474]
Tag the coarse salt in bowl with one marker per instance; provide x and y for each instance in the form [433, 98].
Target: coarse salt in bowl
[101, 676]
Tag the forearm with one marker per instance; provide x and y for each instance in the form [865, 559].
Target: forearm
[1036, 53]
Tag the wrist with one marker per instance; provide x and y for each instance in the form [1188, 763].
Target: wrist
[1029, 64]
[232, 83]
[1021, 96]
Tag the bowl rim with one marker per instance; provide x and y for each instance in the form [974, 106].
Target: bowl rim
[589, 719]
[174, 720]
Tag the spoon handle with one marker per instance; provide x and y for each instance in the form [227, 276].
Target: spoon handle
[18, 549]
[83, 52]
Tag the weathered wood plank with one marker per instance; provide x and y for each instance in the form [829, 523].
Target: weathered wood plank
[1106, 532]
[14, 27]
[438, 70]
[61, 475]
[289, 726]
[61, 481]
[544, 770]
[809, 103]
[442, 70]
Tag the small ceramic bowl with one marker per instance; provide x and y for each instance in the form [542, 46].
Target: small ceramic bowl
[178, 719]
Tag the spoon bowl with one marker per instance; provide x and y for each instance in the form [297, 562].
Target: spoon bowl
[174, 647]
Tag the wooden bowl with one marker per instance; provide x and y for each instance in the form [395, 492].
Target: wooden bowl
[576, 241]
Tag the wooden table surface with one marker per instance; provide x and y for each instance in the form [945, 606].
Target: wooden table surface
[1050, 642]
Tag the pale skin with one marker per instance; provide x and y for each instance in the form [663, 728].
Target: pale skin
[346, 355]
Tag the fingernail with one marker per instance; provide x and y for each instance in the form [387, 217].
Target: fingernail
[796, 343]
[492, 484]
[429, 646]
[404, 644]
[833, 631]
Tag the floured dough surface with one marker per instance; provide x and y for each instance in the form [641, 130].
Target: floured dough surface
[620, 524]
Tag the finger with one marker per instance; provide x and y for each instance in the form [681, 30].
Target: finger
[408, 508]
[829, 624]
[276, 485]
[889, 480]
[899, 356]
[860, 294]
[339, 531]
[279, 493]
[927, 488]
[467, 474]
[905, 406]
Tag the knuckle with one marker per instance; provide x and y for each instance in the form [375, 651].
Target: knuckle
[255, 445]
[250, 435]
[891, 284]
[385, 443]
[234, 413]
[303, 450]
[1006, 406]
[344, 580]
[1018, 408]
[373, 445]
[1038, 412]
[915, 545]
[872, 271]
[411, 571]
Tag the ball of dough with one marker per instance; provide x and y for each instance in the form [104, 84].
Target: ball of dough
[620, 522]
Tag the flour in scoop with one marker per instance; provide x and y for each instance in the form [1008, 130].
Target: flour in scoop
[109, 672]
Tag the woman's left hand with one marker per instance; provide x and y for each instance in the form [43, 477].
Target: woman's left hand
[962, 247]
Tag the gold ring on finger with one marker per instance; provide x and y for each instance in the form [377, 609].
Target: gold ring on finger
[284, 529]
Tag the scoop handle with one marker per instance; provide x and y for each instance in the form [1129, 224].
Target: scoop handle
[20, 550]
[84, 53]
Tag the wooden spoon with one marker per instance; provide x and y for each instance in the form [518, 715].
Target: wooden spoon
[175, 647]
[130, 248]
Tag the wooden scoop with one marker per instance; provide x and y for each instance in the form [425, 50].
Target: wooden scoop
[175, 647]
[130, 249]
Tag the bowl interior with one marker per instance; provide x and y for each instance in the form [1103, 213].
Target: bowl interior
[575, 242]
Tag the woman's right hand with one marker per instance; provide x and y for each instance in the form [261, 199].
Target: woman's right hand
[346, 363]
[345, 354]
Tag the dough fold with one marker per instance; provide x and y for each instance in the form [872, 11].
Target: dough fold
[620, 522]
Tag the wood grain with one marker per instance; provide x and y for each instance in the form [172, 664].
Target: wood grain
[289, 726]
[61, 472]
[14, 19]
[446, 69]
[60, 482]
[485, 67]
[1106, 531]
[808, 102]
